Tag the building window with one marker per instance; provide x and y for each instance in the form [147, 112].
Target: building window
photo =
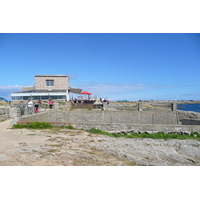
[49, 82]
[16, 98]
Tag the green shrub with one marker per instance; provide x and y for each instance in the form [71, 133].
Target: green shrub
[18, 126]
[34, 125]
[70, 127]
[39, 125]
[98, 131]
[159, 135]
[89, 108]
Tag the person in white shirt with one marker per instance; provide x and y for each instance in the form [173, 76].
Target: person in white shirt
[30, 107]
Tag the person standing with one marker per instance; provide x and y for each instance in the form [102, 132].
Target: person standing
[22, 108]
[50, 103]
[30, 107]
[36, 107]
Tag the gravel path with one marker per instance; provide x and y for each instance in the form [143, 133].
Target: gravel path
[64, 147]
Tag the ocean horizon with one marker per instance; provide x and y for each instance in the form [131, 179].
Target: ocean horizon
[189, 107]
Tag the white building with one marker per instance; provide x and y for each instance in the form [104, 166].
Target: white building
[46, 87]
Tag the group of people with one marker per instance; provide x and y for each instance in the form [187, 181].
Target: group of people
[33, 106]
[78, 101]
[104, 101]
[91, 101]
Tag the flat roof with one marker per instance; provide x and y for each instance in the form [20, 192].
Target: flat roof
[47, 91]
[51, 76]
[39, 91]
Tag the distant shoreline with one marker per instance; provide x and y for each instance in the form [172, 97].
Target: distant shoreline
[162, 101]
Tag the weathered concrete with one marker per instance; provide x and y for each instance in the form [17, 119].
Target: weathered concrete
[113, 121]
[14, 115]
[109, 117]
[4, 110]
[139, 106]
[4, 117]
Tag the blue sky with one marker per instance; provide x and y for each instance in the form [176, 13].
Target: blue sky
[117, 66]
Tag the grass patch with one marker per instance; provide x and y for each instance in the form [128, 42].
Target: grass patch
[160, 135]
[98, 131]
[55, 145]
[69, 127]
[52, 150]
[66, 127]
[34, 125]
[23, 143]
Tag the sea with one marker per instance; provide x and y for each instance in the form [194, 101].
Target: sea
[189, 107]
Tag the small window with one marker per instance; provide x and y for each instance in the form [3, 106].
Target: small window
[49, 82]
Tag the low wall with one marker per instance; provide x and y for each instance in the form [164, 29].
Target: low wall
[135, 128]
[4, 117]
[4, 111]
[114, 121]
[108, 117]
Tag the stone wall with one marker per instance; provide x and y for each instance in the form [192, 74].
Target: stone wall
[4, 117]
[114, 121]
[4, 111]
[60, 82]
[14, 115]
[99, 116]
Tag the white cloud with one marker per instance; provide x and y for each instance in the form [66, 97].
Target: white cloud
[5, 90]
[10, 87]
[115, 91]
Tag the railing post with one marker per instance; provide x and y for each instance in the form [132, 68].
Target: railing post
[174, 107]
[104, 105]
[139, 106]
[56, 106]
[6, 109]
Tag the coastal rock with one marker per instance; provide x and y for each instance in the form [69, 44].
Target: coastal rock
[25, 147]
[188, 117]
[154, 152]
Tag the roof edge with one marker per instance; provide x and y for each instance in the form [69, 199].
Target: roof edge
[51, 76]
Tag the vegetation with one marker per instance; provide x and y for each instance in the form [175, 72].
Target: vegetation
[62, 103]
[34, 125]
[160, 135]
[69, 127]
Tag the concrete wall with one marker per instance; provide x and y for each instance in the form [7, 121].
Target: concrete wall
[114, 121]
[4, 110]
[14, 115]
[98, 116]
[4, 117]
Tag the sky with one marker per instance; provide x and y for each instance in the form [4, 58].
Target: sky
[117, 66]
[133, 50]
